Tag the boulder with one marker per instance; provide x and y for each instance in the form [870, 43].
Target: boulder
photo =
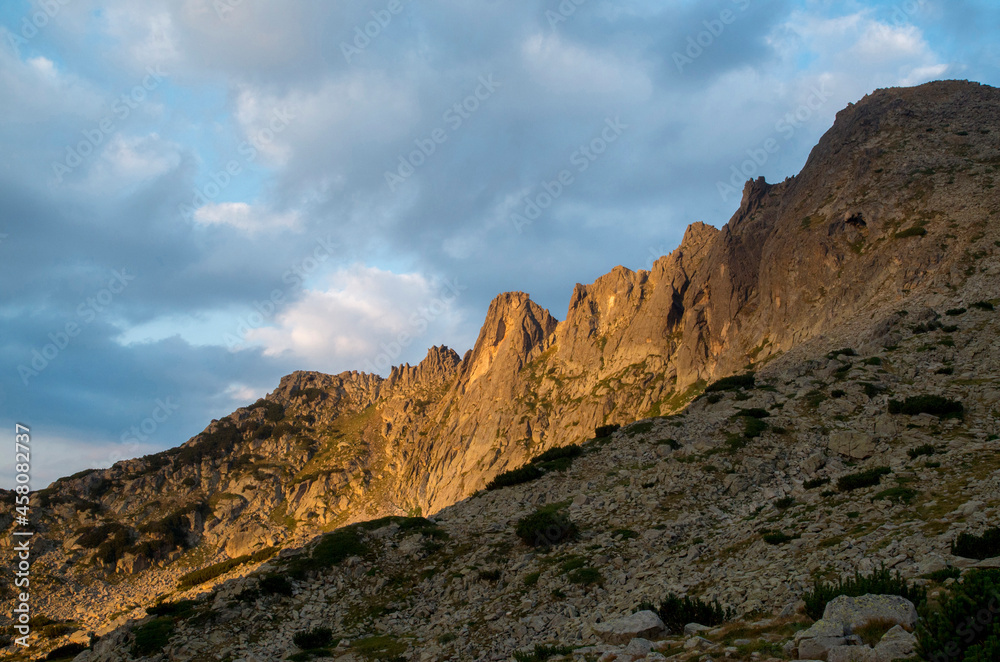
[855, 612]
[855, 445]
[852, 654]
[895, 644]
[645, 624]
[816, 642]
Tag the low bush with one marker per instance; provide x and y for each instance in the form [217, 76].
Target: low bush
[150, 638]
[208, 573]
[732, 383]
[935, 405]
[585, 576]
[65, 652]
[784, 503]
[915, 231]
[180, 608]
[923, 449]
[814, 483]
[983, 546]
[965, 626]
[602, 431]
[879, 582]
[954, 312]
[776, 538]
[91, 537]
[489, 575]
[545, 527]
[897, 495]
[541, 653]
[862, 479]
[315, 638]
[677, 611]
[943, 575]
[847, 351]
[525, 474]
[753, 412]
[983, 305]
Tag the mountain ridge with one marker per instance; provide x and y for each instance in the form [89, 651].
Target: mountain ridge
[890, 209]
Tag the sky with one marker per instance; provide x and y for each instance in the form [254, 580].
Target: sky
[198, 197]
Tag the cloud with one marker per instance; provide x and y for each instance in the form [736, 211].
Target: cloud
[365, 318]
[245, 217]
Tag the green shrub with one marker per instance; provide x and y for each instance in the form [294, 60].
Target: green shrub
[585, 576]
[915, 231]
[541, 653]
[776, 538]
[531, 578]
[838, 393]
[545, 527]
[602, 431]
[965, 627]
[639, 428]
[784, 503]
[525, 474]
[947, 370]
[873, 360]
[872, 390]
[897, 495]
[980, 547]
[315, 638]
[983, 305]
[814, 483]
[65, 652]
[91, 537]
[674, 446]
[180, 609]
[337, 546]
[753, 427]
[559, 453]
[150, 638]
[489, 575]
[879, 582]
[943, 575]
[935, 405]
[713, 398]
[732, 383]
[923, 449]
[814, 397]
[676, 612]
[862, 479]
[208, 573]
[753, 412]
[847, 351]
[953, 312]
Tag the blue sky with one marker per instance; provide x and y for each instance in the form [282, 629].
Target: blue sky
[200, 196]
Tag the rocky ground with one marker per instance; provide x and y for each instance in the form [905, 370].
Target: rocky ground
[674, 504]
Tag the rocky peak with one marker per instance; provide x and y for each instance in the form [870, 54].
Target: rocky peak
[438, 368]
[514, 329]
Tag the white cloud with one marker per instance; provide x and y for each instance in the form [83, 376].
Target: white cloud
[245, 217]
[366, 319]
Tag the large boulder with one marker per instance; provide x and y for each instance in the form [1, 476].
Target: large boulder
[645, 624]
[852, 654]
[855, 612]
[855, 445]
[816, 642]
[895, 644]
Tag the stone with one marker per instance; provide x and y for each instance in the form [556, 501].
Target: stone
[695, 628]
[896, 643]
[700, 643]
[638, 646]
[852, 654]
[645, 624]
[816, 642]
[852, 444]
[931, 563]
[855, 612]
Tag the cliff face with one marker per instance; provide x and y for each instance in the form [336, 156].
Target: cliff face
[895, 205]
